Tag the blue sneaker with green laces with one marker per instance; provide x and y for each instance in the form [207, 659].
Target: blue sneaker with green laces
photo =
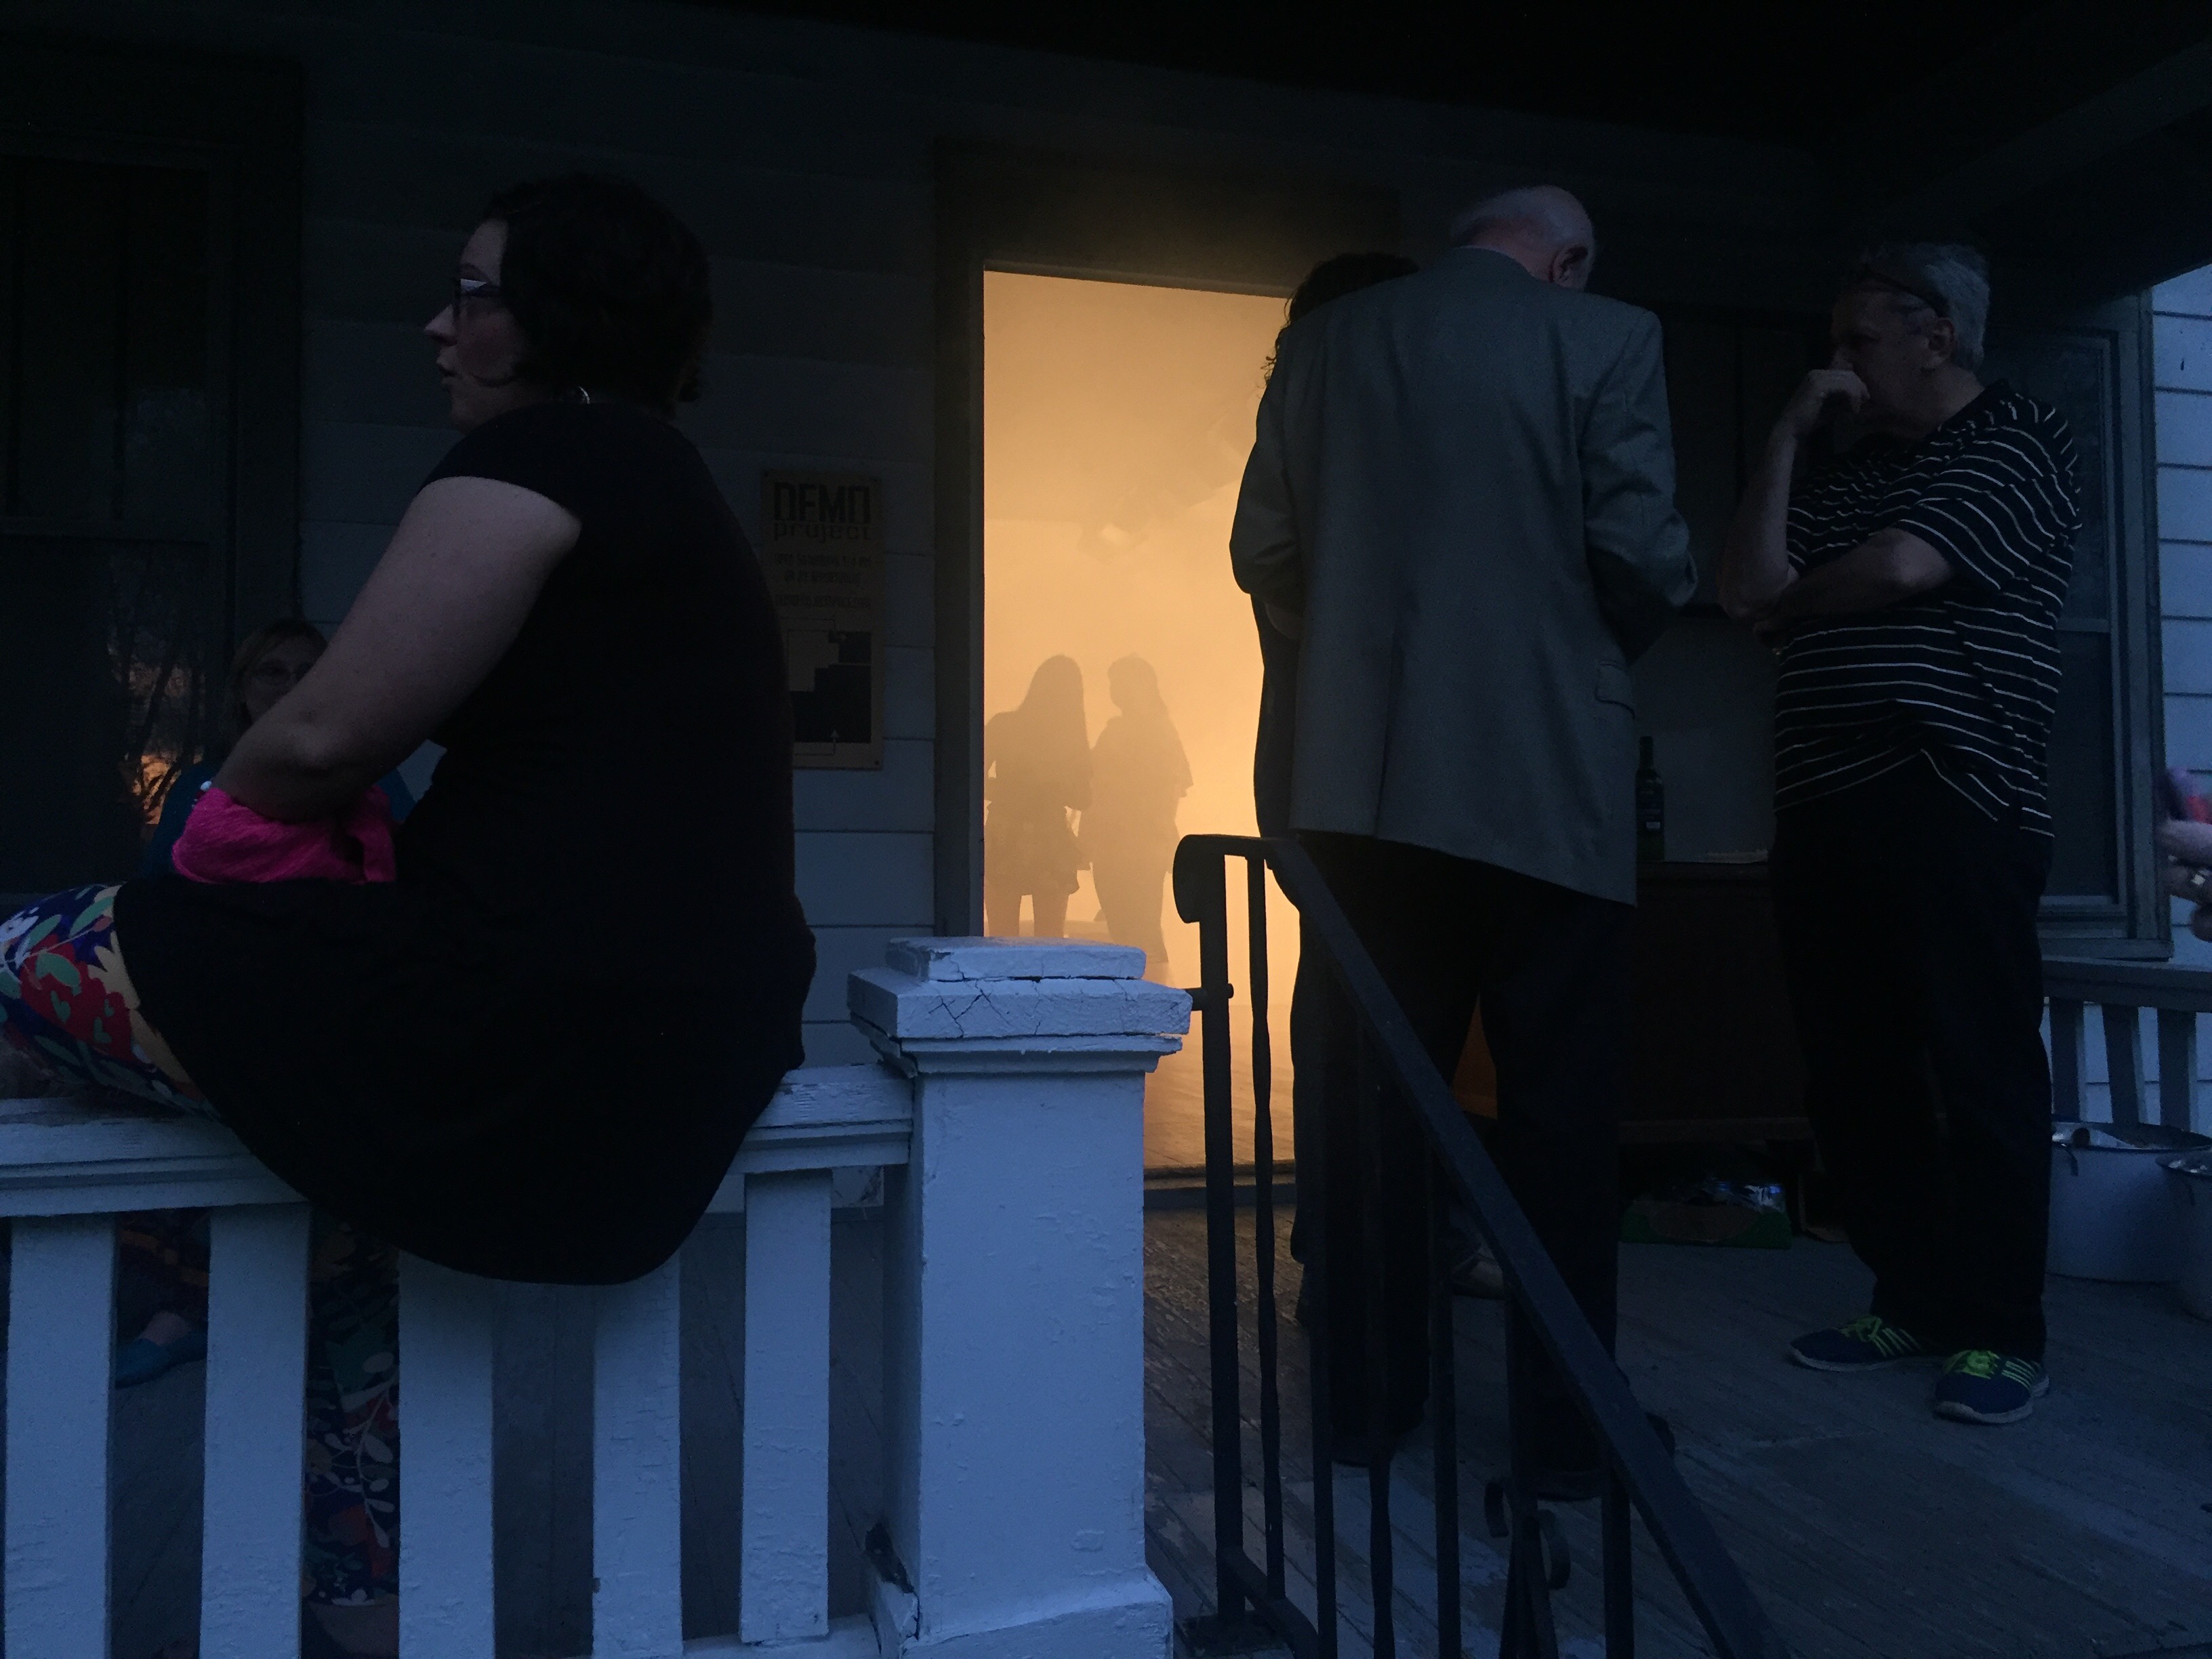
[1867, 1344]
[1979, 1385]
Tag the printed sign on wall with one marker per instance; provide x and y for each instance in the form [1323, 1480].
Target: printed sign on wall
[822, 537]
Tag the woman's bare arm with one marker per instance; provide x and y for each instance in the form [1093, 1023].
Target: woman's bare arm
[441, 609]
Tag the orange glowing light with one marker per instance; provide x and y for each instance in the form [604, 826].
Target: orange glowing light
[1117, 418]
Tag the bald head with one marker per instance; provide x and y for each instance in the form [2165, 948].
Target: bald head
[1541, 227]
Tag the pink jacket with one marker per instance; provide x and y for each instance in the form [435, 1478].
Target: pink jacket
[225, 841]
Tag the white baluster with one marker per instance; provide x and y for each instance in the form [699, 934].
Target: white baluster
[256, 1381]
[637, 1584]
[784, 1581]
[445, 1450]
[61, 1336]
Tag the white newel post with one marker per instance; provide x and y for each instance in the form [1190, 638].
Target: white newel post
[1014, 1298]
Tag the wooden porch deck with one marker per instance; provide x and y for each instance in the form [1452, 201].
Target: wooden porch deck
[1870, 1530]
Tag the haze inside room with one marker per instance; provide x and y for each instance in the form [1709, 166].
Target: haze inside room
[1117, 417]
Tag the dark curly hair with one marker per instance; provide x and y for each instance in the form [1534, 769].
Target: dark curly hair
[1332, 279]
[612, 290]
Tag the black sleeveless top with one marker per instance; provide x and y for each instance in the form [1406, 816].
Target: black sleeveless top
[534, 1055]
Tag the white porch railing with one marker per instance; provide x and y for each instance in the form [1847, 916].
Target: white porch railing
[2097, 1072]
[1007, 1121]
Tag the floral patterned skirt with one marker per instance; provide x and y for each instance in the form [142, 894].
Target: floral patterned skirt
[66, 1000]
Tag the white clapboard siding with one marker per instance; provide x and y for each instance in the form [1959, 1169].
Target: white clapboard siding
[784, 1536]
[637, 1586]
[446, 1323]
[60, 1341]
[256, 1374]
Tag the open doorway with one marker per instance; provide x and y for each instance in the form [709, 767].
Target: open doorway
[1120, 665]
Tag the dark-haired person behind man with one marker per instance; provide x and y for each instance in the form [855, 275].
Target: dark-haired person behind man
[1461, 491]
[1913, 587]
[1332, 279]
[533, 1055]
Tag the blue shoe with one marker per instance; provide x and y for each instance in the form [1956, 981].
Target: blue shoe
[1867, 1344]
[1979, 1385]
[141, 1360]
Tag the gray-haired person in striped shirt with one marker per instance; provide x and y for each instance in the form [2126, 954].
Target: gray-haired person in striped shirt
[1912, 587]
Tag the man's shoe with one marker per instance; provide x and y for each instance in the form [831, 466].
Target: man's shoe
[1979, 1385]
[1867, 1344]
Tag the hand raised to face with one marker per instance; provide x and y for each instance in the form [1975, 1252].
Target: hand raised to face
[1817, 394]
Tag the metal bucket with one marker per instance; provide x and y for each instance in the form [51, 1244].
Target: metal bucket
[2114, 1212]
[2190, 1178]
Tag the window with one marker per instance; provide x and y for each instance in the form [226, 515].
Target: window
[148, 433]
[110, 590]
[2106, 737]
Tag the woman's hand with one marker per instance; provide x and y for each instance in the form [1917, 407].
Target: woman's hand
[2186, 842]
[2190, 845]
[439, 611]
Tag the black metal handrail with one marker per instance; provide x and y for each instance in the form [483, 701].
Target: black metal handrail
[1640, 1469]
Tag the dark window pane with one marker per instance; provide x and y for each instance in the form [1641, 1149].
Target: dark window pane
[2072, 372]
[68, 268]
[2085, 863]
[108, 657]
[167, 459]
[11, 242]
[106, 385]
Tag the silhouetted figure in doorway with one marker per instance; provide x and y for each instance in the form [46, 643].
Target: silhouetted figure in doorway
[1138, 774]
[1037, 763]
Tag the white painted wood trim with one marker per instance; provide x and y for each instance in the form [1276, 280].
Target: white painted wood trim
[257, 1368]
[850, 1637]
[825, 1117]
[61, 1337]
[853, 1636]
[637, 1580]
[64, 1158]
[446, 1325]
[784, 1572]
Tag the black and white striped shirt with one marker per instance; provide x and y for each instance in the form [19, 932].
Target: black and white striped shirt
[1966, 674]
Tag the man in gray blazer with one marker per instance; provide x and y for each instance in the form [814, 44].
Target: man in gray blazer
[1461, 499]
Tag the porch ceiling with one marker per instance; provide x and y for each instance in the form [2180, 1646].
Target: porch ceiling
[1792, 75]
[2069, 134]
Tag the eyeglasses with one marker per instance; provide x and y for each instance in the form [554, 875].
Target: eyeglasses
[475, 288]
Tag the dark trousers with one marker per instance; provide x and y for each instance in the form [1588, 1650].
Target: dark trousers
[1549, 969]
[1908, 923]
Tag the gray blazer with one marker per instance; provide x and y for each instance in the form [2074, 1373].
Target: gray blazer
[1464, 480]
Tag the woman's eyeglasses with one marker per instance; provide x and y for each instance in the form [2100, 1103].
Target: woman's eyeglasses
[467, 288]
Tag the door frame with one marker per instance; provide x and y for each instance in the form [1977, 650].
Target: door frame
[1051, 214]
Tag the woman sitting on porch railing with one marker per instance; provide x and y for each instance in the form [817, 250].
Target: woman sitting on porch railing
[533, 1055]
